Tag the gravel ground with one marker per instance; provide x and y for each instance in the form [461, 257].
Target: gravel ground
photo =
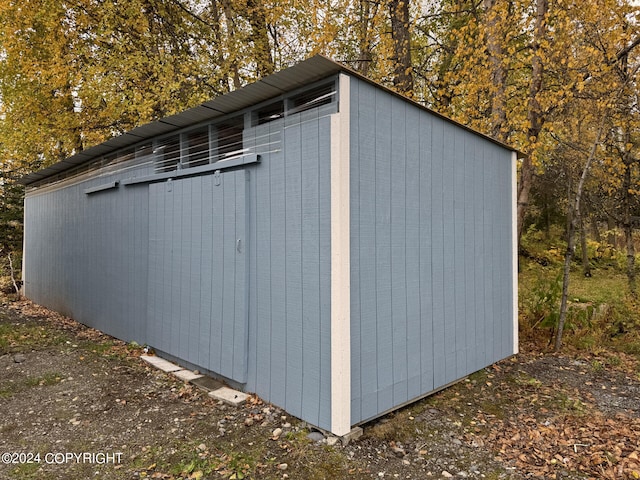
[76, 404]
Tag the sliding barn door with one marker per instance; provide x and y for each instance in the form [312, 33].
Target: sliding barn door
[198, 271]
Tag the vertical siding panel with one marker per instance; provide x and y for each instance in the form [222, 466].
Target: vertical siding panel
[129, 248]
[165, 290]
[109, 259]
[354, 191]
[263, 272]
[68, 263]
[424, 216]
[195, 260]
[383, 250]
[66, 259]
[479, 167]
[459, 261]
[310, 165]
[413, 261]
[121, 264]
[278, 256]
[398, 250]
[179, 272]
[184, 273]
[228, 249]
[164, 307]
[117, 253]
[209, 249]
[218, 275]
[495, 255]
[141, 260]
[174, 227]
[187, 283]
[324, 182]
[252, 267]
[119, 268]
[442, 315]
[367, 248]
[152, 259]
[111, 292]
[470, 149]
[293, 246]
[171, 333]
[489, 243]
[239, 319]
[154, 325]
[44, 251]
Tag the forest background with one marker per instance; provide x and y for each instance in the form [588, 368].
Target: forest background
[556, 79]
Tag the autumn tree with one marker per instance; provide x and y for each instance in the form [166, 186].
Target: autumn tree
[400, 20]
[603, 98]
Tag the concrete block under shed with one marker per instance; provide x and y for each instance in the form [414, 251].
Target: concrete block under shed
[229, 396]
[161, 363]
[186, 375]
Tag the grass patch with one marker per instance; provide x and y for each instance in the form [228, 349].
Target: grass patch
[195, 460]
[99, 347]
[562, 402]
[10, 389]
[6, 392]
[24, 337]
[396, 426]
[45, 380]
[524, 380]
[323, 464]
[602, 316]
[27, 471]
[197, 467]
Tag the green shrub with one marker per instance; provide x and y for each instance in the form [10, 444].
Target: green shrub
[540, 302]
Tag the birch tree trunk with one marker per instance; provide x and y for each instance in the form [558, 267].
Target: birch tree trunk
[586, 267]
[627, 222]
[574, 213]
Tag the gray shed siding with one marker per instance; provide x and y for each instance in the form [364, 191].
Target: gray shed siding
[431, 236]
[289, 299]
[232, 278]
[231, 272]
[78, 244]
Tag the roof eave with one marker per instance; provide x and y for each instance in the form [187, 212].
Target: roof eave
[308, 71]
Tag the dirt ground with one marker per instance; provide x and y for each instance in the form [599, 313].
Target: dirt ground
[76, 404]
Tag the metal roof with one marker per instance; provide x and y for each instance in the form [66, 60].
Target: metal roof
[303, 73]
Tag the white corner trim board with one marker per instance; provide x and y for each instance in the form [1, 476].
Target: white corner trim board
[514, 245]
[340, 267]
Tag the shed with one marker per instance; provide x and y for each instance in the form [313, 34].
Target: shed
[313, 237]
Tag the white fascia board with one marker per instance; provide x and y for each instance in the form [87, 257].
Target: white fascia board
[340, 266]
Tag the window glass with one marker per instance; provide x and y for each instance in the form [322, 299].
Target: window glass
[167, 154]
[229, 137]
[269, 113]
[313, 98]
[197, 148]
[144, 150]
